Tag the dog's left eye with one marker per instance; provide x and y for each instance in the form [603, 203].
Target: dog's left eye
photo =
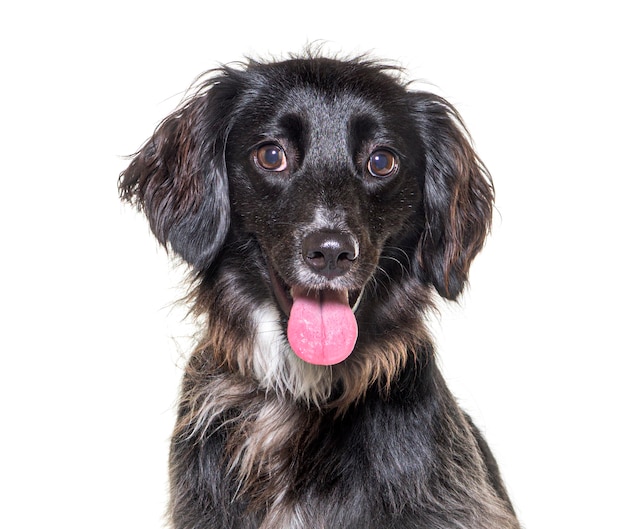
[271, 157]
[382, 163]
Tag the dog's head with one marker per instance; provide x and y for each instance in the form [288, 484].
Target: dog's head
[340, 174]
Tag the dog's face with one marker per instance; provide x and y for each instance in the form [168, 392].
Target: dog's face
[322, 175]
[346, 181]
[322, 183]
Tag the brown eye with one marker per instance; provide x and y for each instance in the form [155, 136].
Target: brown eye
[382, 163]
[271, 157]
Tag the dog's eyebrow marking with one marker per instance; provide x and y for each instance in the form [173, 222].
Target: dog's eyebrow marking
[362, 127]
[293, 124]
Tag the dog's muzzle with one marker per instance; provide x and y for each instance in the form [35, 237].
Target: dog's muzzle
[322, 327]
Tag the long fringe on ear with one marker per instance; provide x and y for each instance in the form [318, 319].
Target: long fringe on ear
[178, 178]
[458, 196]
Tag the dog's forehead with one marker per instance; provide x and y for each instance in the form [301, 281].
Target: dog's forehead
[327, 113]
[319, 117]
[320, 106]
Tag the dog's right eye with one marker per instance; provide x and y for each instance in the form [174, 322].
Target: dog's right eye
[271, 157]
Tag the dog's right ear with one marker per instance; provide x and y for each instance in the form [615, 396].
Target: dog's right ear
[178, 178]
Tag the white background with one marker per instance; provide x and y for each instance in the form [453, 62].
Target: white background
[91, 347]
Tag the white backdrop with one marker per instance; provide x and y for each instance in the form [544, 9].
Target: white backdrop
[91, 347]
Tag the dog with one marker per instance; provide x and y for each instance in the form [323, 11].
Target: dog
[322, 206]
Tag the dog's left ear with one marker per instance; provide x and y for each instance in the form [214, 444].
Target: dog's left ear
[457, 197]
[178, 179]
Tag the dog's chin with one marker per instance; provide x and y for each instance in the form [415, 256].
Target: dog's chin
[284, 293]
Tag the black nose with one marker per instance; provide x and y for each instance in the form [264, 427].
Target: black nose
[329, 253]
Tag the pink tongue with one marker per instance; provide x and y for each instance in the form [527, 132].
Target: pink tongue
[322, 329]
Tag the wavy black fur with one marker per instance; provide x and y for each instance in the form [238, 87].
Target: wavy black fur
[264, 440]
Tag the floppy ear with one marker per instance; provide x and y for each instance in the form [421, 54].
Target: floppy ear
[179, 177]
[457, 196]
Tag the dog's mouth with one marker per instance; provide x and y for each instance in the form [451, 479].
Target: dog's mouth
[322, 327]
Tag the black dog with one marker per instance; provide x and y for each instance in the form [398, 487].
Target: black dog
[320, 203]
